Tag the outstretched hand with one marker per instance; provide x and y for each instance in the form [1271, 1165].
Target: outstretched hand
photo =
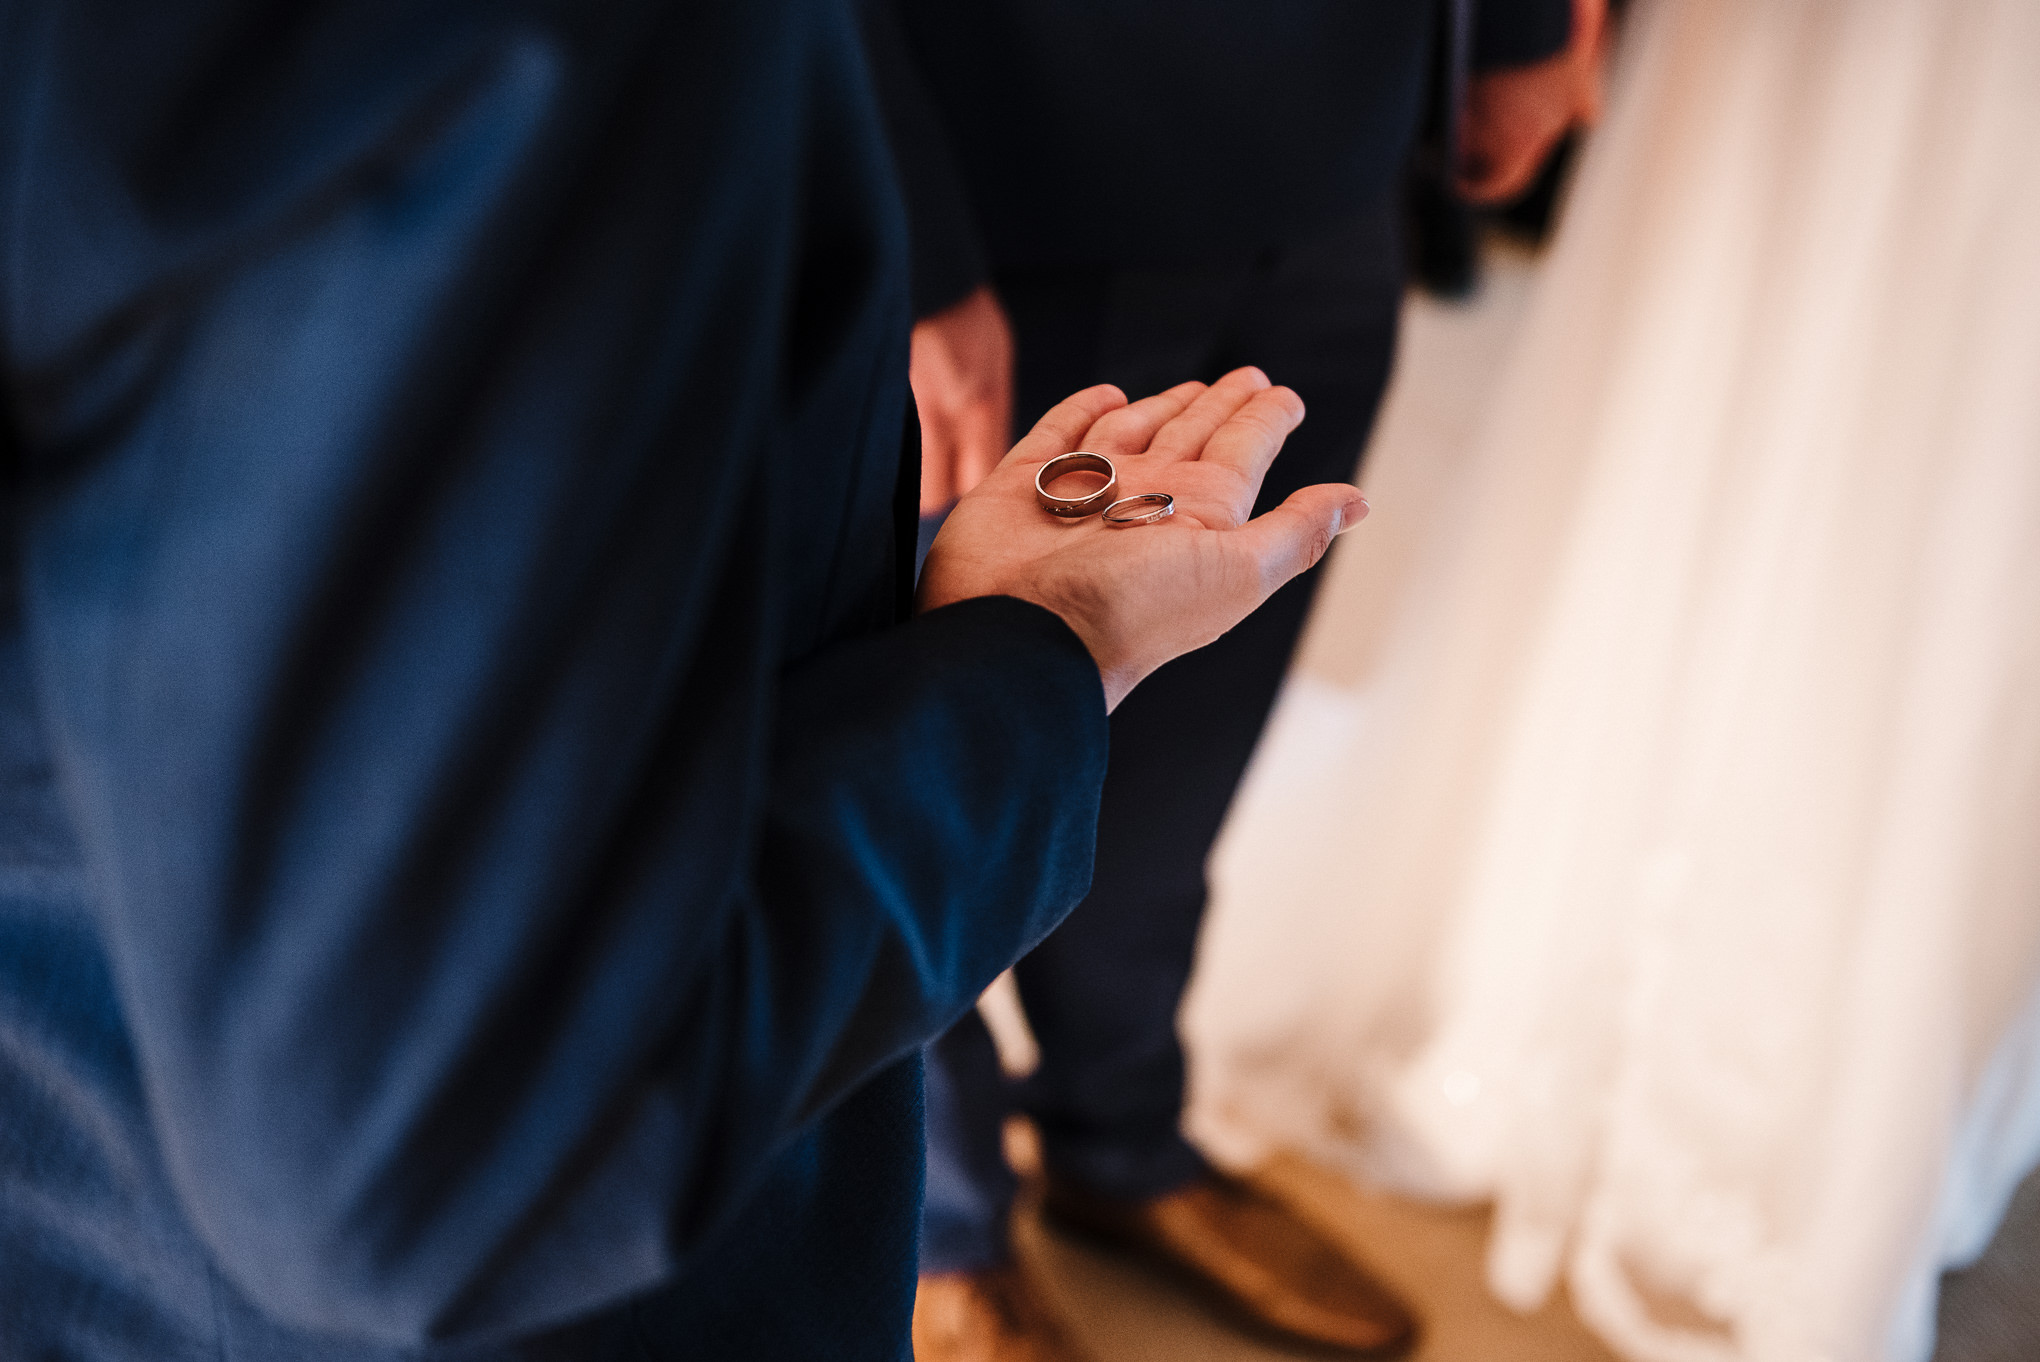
[1141, 595]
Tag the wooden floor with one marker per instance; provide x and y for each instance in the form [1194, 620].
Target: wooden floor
[1124, 1312]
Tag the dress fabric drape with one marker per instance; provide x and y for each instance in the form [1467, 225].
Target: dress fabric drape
[1671, 874]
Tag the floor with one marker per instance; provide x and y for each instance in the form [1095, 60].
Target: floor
[1990, 1312]
[1432, 1257]
[1124, 1312]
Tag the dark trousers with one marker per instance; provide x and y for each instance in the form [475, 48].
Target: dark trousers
[1101, 993]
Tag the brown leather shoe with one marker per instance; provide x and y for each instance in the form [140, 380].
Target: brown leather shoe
[990, 1316]
[1251, 1254]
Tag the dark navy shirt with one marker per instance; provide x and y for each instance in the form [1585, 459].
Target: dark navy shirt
[477, 852]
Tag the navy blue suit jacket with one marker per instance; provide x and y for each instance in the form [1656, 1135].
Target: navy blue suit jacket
[478, 853]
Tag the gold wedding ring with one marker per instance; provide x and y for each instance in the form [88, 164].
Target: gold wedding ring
[1075, 508]
[1144, 509]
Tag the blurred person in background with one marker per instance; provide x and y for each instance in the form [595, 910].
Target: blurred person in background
[1125, 192]
[1670, 873]
[1446, 230]
[482, 845]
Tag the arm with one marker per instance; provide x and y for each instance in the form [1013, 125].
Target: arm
[441, 449]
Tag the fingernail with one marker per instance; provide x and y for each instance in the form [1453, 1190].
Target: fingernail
[1352, 513]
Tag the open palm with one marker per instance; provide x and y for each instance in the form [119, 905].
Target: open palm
[1143, 594]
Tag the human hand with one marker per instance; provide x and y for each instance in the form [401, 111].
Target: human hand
[1514, 117]
[961, 368]
[1141, 595]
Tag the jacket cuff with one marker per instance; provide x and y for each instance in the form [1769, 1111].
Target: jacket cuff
[1005, 626]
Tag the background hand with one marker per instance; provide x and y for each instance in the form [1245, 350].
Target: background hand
[961, 367]
[1514, 117]
[1142, 595]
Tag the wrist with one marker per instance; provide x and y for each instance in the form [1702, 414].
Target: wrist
[1078, 607]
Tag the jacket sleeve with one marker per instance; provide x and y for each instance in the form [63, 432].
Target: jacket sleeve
[946, 248]
[1519, 32]
[444, 442]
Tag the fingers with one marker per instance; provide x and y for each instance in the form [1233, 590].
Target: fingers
[990, 428]
[986, 428]
[938, 459]
[1590, 37]
[1239, 421]
[1250, 438]
[1487, 183]
[1186, 435]
[959, 446]
[1066, 424]
[1131, 429]
[1504, 153]
[1292, 538]
[1513, 118]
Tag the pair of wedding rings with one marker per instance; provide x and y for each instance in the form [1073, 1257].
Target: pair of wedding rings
[1144, 509]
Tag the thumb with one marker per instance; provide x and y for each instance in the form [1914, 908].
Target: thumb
[1292, 538]
[938, 457]
[1590, 94]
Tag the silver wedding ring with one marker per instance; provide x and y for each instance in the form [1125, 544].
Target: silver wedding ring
[1144, 509]
[1075, 508]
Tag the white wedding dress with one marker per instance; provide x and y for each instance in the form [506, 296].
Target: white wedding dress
[1670, 871]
